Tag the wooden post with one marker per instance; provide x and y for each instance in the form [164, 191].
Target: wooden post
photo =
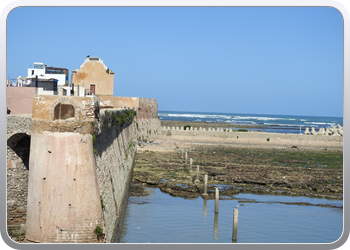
[205, 184]
[191, 162]
[197, 179]
[235, 225]
[182, 153]
[186, 157]
[216, 200]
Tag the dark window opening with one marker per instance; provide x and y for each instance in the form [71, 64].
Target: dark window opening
[64, 111]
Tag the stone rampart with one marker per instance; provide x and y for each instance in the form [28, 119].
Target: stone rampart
[115, 152]
[80, 162]
[18, 148]
[149, 127]
[148, 123]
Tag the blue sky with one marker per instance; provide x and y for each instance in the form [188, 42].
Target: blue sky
[255, 60]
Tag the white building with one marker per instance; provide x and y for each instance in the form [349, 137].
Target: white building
[44, 72]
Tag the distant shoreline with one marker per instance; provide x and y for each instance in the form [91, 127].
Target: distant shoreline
[212, 124]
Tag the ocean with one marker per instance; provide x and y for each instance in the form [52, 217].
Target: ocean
[270, 123]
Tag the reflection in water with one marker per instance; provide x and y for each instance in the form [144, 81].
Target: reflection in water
[204, 209]
[216, 222]
[235, 225]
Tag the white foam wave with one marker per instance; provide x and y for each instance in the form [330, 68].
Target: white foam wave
[317, 123]
[258, 118]
[199, 116]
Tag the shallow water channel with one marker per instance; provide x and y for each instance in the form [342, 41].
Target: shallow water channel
[161, 218]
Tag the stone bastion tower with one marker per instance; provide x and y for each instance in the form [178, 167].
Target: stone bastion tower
[63, 196]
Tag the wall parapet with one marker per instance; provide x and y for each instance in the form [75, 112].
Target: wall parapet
[335, 131]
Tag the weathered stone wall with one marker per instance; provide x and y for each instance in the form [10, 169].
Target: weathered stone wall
[81, 168]
[149, 127]
[148, 123]
[63, 197]
[18, 147]
[115, 147]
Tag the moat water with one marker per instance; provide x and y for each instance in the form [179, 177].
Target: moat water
[161, 218]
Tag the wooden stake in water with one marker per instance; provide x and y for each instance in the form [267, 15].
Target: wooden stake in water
[205, 184]
[235, 224]
[216, 200]
[197, 179]
[191, 162]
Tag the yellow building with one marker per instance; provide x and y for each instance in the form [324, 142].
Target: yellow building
[93, 77]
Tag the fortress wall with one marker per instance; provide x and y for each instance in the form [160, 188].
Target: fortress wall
[149, 127]
[80, 171]
[116, 149]
[91, 190]
[63, 202]
[148, 123]
[18, 147]
[260, 138]
[63, 196]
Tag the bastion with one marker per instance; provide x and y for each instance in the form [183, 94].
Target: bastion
[70, 165]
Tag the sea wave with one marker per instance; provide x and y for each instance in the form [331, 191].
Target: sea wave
[317, 123]
[198, 116]
[258, 118]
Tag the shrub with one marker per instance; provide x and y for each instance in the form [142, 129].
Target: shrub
[102, 205]
[268, 139]
[242, 130]
[95, 151]
[93, 139]
[98, 231]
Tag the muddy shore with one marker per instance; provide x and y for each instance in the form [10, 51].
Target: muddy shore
[311, 172]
